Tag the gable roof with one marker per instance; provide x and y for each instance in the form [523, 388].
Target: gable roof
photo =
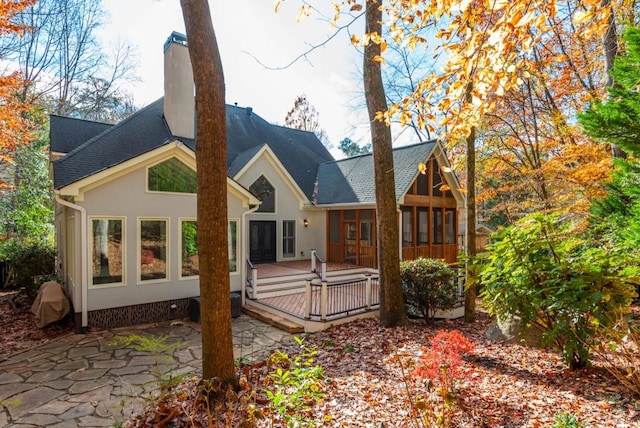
[68, 133]
[300, 152]
[139, 133]
[351, 180]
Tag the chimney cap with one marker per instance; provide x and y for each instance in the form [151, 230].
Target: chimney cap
[175, 37]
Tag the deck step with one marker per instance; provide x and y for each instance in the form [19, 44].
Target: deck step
[273, 319]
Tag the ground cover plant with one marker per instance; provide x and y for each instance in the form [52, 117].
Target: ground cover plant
[373, 376]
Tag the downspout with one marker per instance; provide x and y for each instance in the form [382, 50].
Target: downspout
[243, 268]
[83, 257]
[399, 211]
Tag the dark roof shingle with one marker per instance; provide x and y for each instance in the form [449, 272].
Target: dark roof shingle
[351, 180]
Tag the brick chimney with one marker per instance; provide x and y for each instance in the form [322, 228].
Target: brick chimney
[179, 93]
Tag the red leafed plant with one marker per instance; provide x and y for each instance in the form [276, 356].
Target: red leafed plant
[440, 363]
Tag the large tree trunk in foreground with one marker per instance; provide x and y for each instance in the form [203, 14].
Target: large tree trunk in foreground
[211, 156]
[392, 310]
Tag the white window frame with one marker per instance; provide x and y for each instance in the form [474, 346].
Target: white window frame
[146, 178]
[180, 241]
[295, 223]
[237, 222]
[122, 283]
[168, 263]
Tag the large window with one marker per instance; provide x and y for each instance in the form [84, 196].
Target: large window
[153, 250]
[233, 245]
[266, 193]
[107, 255]
[171, 176]
[288, 238]
[189, 248]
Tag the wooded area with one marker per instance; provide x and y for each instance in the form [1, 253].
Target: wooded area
[537, 104]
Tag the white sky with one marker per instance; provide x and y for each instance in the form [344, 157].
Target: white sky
[328, 78]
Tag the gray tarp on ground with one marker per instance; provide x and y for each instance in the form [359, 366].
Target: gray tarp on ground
[50, 305]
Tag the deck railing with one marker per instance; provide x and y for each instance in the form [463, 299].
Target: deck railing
[326, 300]
[315, 261]
[252, 279]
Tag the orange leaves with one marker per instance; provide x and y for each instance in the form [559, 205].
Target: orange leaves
[15, 129]
[8, 9]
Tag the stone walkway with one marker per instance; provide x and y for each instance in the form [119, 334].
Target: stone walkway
[95, 380]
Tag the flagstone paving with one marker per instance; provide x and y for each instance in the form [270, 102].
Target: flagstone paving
[95, 380]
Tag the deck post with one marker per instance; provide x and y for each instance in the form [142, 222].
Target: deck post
[367, 290]
[308, 302]
[313, 260]
[254, 283]
[324, 271]
[323, 301]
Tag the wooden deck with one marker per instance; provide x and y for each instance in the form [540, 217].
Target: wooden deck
[270, 270]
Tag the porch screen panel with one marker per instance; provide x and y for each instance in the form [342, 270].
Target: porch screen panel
[107, 259]
[407, 226]
[437, 226]
[423, 226]
[334, 226]
[189, 245]
[450, 226]
[437, 179]
[366, 227]
[153, 250]
[288, 238]
[422, 183]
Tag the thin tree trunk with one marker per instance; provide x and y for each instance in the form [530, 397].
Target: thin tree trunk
[211, 156]
[610, 48]
[472, 274]
[392, 310]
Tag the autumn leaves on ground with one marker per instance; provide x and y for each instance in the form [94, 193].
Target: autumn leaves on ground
[370, 378]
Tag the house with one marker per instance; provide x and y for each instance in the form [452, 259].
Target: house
[125, 213]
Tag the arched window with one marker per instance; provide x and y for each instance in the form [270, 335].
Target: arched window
[266, 193]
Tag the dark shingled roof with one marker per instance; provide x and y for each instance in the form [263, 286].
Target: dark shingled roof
[351, 180]
[300, 152]
[139, 133]
[67, 133]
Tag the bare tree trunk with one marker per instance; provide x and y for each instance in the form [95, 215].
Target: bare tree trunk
[211, 156]
[392, 310]
[470, 244]
[610, 48]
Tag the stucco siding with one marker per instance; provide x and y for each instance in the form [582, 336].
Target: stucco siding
[289, 205]
[126, 198]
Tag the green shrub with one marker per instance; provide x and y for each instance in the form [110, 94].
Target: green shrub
[428, 285]
[30, 262]
[547, 274]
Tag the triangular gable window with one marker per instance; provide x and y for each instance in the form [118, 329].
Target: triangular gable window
[171, 176]
[266, 193]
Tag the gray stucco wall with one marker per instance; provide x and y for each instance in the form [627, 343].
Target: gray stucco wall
[126, 197]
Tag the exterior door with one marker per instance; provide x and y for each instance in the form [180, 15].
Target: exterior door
[262, 237]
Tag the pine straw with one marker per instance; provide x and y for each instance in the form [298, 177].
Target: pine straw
[510, 385]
